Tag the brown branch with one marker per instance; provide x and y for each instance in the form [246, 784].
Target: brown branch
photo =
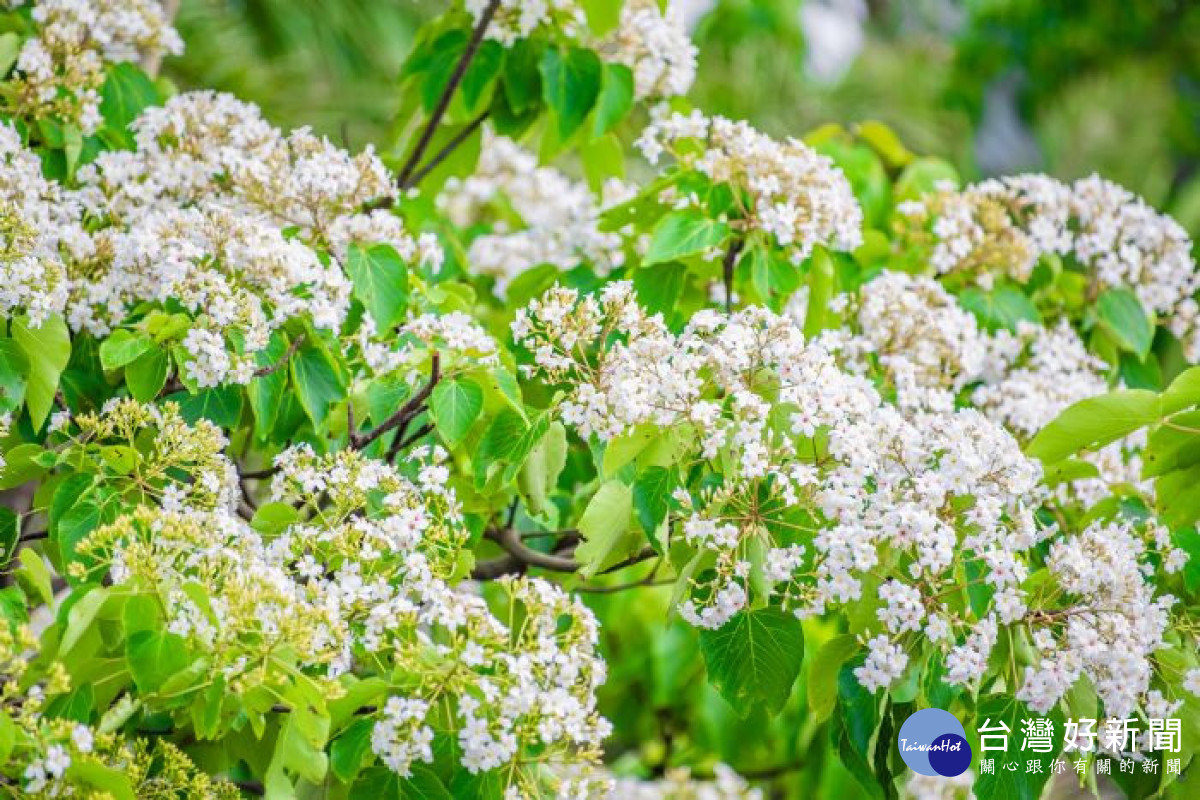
[727, 265]
[258, 475]
[520, 557]
[406, 412]
[508, 539]
[263, 372]
[414, 158]
[446, 150]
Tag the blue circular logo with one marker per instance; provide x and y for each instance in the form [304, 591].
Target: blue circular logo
[932, 742]
[950, 755]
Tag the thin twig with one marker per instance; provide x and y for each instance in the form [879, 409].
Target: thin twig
[731, 255]
[258, 475]
[263, 372]
[447, 149]
[414, 158]
[406, 412]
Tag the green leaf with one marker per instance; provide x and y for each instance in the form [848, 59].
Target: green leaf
[437, 65]
[753, 659]
[539, 475]
[317, 382]
[485, 67]
[570, 85]
[603, 16]
[1122, 317]
[823, 674]
[221, 405]
[274, 518]
[625, 448]
[154, 657]
[1000, 309]
[147, 375]
[455, 405]
[773, 278]
[380, 783]
[127, 92]
[123, 347]
[349, 751]
[660, 287]
[616, 98]
[14, 366]
[108, 781]
[266, 391]
[380, 282]
[652, 496]
[820, 291]
[76, 523]
[10, 534]
[922, 176]
[522, 79]
[22, 465]
[681, 234]
[10, 50]
[602, 526]
[1095, 422]
[48, 349]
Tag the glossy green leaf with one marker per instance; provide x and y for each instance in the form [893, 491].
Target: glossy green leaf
[753, 660]
[682, 234]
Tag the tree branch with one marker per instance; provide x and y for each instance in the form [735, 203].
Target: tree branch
[447, 149]
[512, 544]
[406, 412]
[405, 180]
[727, 264]
[262, 372]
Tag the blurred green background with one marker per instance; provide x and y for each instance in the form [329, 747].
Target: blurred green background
[996, 86]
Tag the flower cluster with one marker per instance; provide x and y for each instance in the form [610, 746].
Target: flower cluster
[650, 38]
[364, 576]
[1007, 226]
[818, 489]
[44, 747]
[517, 19]
[556, 216]
[933, 355]
[1109, 624]
[652, 41]
[821, 486]
[785, 189]
[215, 213]
[60, 70]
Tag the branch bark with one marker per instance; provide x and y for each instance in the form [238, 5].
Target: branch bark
[406, 412]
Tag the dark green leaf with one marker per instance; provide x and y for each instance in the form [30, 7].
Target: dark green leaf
[753, 660]
[317, 382]
[616, 98]
[570, 86]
